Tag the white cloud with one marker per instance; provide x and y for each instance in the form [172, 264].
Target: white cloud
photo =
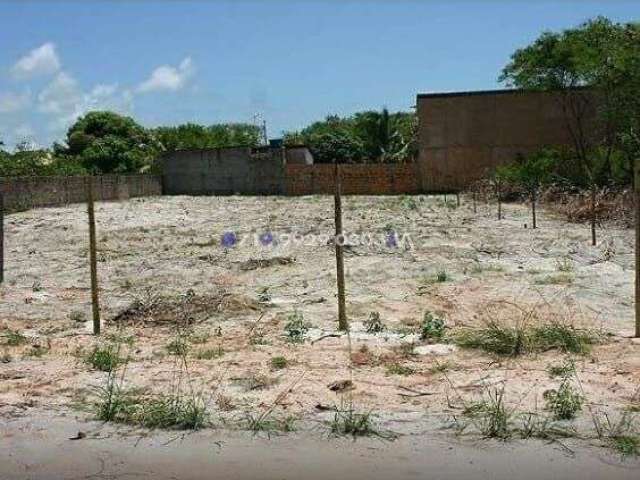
[61, 95]
[13, 102]
[167, 77]
[39, 61]
[66, 101]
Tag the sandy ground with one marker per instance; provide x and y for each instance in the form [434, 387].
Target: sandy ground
[166, 252]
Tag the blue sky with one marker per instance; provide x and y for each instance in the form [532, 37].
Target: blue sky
[170, 62]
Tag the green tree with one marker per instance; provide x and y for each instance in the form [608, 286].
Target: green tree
[106, 142]
[367, 136]
[531, 173]
[194, 136]
[591, 68]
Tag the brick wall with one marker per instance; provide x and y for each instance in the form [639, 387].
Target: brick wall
[463, 136]
[22, 193]
[355, 179]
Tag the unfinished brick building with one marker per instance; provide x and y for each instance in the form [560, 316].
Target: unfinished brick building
[464, 135]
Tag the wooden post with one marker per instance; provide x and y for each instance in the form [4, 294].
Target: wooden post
[499, 195]
[475, 206]
[533, 208]
[93, 258]
[338, 240]
[636, 192]
[458, 198]
[593, 215]
[1, 237]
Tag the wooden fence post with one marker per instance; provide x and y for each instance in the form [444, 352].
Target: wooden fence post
[636, 194]
[338, 240]
[95, 305]
[1, 237]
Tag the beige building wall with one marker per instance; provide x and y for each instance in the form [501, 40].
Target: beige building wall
[462, 136]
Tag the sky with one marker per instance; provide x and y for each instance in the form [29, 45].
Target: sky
[293, 62]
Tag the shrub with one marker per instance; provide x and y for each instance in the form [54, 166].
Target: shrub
[104, 357]
[432, 327]
[374, 324]
[565, 402]
[296, 328]
[278, 363]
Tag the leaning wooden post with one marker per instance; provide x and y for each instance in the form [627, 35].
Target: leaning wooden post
[593, 215]
[533, 208]
[339, 240]
[499, 195]
[1, 237]
[636, 194]
[95, 305]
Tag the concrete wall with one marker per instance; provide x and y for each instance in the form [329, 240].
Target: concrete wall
[224, 171]
[23, 193]
[365, 179]
[462, 136]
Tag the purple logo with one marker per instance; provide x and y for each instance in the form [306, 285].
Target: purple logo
[229, 239]
[266, 239]
[392, 240]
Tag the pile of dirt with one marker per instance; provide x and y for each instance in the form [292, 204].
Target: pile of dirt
[187, 309]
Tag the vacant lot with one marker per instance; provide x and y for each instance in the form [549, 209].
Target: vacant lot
[460, 307]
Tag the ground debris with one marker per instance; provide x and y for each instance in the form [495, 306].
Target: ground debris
[255, 263]
[187, 309]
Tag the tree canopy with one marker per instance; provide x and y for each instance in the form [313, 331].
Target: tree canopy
[367, 136]
[105, 142]
[593, 66]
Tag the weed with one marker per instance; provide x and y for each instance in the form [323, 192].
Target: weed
[278, 363]
[263, 295]
[179, 346]
[199, 337]
[432, 327]
[348, 421]
[440, 367]
[172, 411]
[409, 203]
[296, 328]
[566, 338]
[564, 370]
[225, 403]
[399, 369]
[104, 357]
[14, 338]
[627, 445]
[77, 316]
[257, 381]
[373, 324]
[209, 353]
[562, 278]
[565, 402]
[501, 339]
[268, 423]
[564, 265]
[478, 268]
[494, 338]
[618, 432]
[491, 416]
